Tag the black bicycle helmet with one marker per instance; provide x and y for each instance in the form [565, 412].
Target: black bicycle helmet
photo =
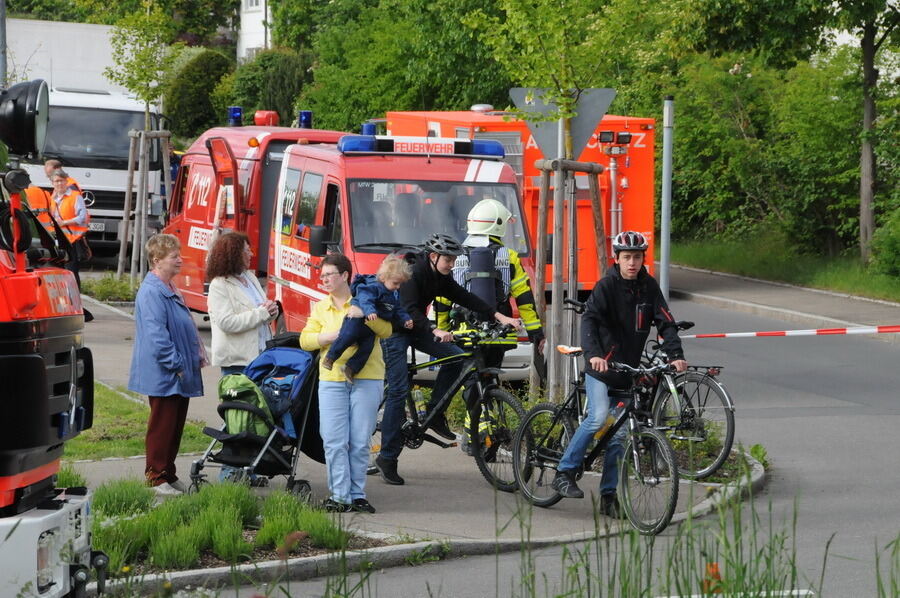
[442, 244]
[629, 240]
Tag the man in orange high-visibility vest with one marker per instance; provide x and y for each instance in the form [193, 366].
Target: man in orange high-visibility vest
[39, 202]
[72, 216]
[50, 166]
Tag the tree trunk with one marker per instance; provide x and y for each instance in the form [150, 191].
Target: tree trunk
[867, 154]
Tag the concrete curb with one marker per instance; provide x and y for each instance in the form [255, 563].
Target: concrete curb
[383, 557]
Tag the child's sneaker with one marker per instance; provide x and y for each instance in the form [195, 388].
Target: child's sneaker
[348, 374]
[327, 363]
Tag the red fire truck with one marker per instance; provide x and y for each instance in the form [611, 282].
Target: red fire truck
[47, 381]
[623, 142]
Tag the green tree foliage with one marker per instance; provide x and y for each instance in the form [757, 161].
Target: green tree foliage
[886, 246]
[46, 10]
[271, 81]
[187, 100]
[293, 22]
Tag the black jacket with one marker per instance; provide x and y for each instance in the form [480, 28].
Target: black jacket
[617, 320]
[426, 283]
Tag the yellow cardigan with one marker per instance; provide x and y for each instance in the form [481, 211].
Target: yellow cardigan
[325, 317]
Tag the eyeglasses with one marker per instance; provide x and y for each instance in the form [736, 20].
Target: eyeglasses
[328, 274]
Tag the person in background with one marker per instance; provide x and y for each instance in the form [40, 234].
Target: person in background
[166, 361]
[614, 327]
[239, 312]
[374, 296]
[347, 412]
[53, 165]
[70, 212]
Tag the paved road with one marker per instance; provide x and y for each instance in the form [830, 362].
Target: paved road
[827, 411]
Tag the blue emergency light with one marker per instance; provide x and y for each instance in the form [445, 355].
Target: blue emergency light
[304, 120]
[368, 129]
[372, 144]
[235, 116]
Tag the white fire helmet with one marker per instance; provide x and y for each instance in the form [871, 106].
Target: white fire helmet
[488, 217]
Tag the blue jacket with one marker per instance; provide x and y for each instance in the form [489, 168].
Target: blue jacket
[166, 344]
[372, 297]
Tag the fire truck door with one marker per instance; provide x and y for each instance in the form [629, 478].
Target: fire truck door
[228, 191]
[271, 168]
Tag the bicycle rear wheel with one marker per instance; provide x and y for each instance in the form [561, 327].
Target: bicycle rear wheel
[493, 423]
[648, 481]
[537, 448]
[701, 432]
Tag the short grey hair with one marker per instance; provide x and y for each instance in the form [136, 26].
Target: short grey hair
[160, 245]
[59, 172]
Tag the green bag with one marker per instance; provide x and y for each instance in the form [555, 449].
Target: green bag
[240, 388]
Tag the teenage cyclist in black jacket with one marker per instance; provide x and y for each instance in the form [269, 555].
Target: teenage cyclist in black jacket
[431, 277]
[614, 327]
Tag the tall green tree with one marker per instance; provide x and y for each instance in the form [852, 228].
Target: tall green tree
[785, 30]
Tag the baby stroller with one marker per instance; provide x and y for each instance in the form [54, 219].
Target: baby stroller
[270, 415]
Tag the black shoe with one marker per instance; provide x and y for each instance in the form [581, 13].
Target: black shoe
[333, 506]
[440, 427]
[564, 483]
[388, 471]
[362, 505]
[609, 506]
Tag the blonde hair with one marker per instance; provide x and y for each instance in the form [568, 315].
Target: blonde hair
[160, 245]
[394, 266]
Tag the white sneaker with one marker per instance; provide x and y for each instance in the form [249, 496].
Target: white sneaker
[166, 489]
[179, 485]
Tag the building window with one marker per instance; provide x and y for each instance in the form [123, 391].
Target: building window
[251, 4]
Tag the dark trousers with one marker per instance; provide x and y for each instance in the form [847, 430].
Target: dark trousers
[353, 332]
[395, 349]
[167, 417]
[73, 266]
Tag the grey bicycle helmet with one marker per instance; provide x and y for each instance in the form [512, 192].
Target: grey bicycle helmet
[629, 240]
[442, 244]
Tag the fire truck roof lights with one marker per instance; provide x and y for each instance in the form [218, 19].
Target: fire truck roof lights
[443, 146]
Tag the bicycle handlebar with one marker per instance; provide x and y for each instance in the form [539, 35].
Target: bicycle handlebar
[641, 371]
[577, 306]
[487, 331]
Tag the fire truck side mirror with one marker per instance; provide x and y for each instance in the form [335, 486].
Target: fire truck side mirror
[24, 113]
[317, 243]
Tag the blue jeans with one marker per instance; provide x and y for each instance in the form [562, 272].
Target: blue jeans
[353, 332]
[395, 349]
[347, 414]
[598, 408]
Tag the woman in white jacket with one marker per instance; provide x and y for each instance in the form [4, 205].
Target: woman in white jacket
[238, 309]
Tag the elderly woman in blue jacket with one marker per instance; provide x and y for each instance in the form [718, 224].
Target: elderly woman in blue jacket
[166, 361]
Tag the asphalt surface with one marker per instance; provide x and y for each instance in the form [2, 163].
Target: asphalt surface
[445, 497]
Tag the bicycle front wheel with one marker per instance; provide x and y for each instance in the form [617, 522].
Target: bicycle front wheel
[493, 423]
[537, 449]
[648, 481]
[699, 423]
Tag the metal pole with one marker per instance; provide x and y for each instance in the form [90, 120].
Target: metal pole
[572, 266]
[666, 199]
[615, 209]
[126, 209]
[554, 373]
[3, 44]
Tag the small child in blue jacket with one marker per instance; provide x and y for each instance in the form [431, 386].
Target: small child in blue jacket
[374, 296]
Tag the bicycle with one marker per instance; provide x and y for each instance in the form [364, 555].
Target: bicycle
[648, 477]
[695, 412]
[494, 414]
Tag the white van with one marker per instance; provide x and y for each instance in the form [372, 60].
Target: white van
[88, 133]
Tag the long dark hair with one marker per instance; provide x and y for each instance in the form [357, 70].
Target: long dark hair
[226, 258]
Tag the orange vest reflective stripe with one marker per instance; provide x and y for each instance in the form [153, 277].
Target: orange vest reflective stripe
[67, 212]
[39, 202]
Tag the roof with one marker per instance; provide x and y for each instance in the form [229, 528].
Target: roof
[92, 98]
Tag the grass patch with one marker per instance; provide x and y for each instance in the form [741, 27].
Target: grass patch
[122, 497]
[767, 259]
[69, 478]
[119, 429]
[283, 514]
[109, 288]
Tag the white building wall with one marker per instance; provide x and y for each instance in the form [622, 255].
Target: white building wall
[63, 54]
[253, 36]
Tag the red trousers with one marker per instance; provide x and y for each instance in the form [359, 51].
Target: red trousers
[167, 417]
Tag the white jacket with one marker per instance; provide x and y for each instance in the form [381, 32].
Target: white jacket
[234, 321]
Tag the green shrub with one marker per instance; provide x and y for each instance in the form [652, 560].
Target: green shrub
[272, 81]
[221, 497]
[886, 246]
[223, 96]
[109, 288]
[187, 101]
[282, 514]
[178, 547]
[122, 497]
[227, 538]
[121, 540]
[68, 477]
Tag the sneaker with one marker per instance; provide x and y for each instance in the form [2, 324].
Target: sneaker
[564, 483]
[361, 505]
[348, 374]
[333, 506]
[465, 446]
[327, 363]
[609, 506]
[179, 485]
[388, 471]
[440, 427]
[167, 489]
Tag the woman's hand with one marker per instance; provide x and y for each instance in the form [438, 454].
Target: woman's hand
[355, 312]
[326, 338]
[271, 307]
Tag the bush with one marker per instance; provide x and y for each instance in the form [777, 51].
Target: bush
[109, 288]
[272, 81]
[188, 101]
[122, 497]
[886, 246]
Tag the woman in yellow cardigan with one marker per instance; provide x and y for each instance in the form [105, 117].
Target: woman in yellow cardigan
[347, 411]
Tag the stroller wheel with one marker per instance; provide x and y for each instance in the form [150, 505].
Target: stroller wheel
[196, 483]
[301, 488]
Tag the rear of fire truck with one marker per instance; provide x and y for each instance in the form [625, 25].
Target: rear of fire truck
[46, 382]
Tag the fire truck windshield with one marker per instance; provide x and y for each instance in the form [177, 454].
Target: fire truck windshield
[391, 214]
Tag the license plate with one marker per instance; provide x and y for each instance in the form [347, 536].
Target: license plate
[97, 226]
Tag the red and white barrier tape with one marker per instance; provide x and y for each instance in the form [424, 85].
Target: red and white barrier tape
[810, 332]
